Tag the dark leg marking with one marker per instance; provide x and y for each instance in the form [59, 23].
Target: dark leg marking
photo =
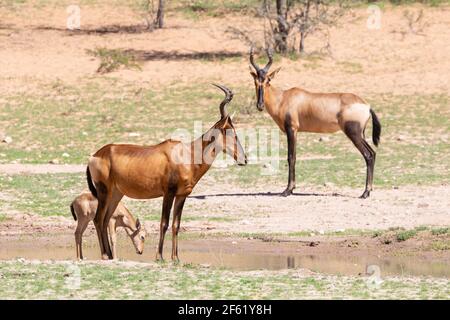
[102, 195]
[292, 145]
[167, 206]
[354, 132]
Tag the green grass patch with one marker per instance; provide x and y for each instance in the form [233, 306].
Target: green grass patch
[440, 231]
[25, 280]
[3, 217]
[77, 121]
[405, 235]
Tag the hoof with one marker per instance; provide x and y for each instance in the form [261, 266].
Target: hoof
[365, 195]
[105, 257]
[175, 260]
[286, 192]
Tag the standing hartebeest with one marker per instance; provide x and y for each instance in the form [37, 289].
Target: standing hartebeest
[170, 170]
[83, 209]
[297, 110]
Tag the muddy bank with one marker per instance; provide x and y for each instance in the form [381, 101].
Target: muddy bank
[328, 255]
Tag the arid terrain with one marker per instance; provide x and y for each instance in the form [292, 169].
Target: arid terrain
[56, 110]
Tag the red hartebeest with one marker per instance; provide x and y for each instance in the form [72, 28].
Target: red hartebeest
[297, 110]
[170, 170]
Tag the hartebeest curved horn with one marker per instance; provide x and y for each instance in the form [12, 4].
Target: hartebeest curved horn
[269, 64]
[226, 100]
[252, 60]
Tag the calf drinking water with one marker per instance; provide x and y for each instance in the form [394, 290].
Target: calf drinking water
[83, 210]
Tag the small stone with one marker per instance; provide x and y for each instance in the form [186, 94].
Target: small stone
[328, 184]
[314, 243]
[233, 242]
[321, 232]
[7, 139]
[134, 134]
[54, 161]
[324, 139]
[65, 155]
[401, 138]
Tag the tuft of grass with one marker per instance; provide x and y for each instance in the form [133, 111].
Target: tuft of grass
[350, 67]
[440, 245]
[440, 231]
[405, 235]
[3, 217]
[113, 59]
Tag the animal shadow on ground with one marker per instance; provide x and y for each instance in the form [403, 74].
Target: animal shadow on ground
[115, 28]
[268, 194]
[151, 55]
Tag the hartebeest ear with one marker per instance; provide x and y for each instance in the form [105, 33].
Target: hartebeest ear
[138, 224]
[273, 73]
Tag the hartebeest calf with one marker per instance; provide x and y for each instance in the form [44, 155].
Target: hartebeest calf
[170, 170]
[83, 209]
[298, 110]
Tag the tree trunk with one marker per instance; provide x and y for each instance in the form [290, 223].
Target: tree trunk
[302, 42]
[304, 27]
[283, 28]
[159, 21]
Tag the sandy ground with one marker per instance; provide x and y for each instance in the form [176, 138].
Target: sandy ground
[261, 209]
[39, 51]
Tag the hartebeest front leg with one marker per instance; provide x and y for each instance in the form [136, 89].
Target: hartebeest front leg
[291, 134]
[113, 237]
[167, 206]
[177, 211]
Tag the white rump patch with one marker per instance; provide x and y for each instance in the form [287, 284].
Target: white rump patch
[358, 112]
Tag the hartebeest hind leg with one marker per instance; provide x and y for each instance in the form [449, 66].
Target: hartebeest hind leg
[167, 206]
[104, 197]
[112, 203]
[355, 133]
[177, 211]
[291, 134]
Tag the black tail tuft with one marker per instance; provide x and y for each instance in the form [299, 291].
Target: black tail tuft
[73, 212]
[376, 130]
[90, 183]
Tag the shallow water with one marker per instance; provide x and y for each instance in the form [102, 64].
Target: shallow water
[237, 255]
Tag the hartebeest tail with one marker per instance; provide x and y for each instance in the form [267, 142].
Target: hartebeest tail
[298, 110]
[376, 128]
[90, 183]
[72, 210]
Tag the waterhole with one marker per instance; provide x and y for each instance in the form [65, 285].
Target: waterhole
[236, 254]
